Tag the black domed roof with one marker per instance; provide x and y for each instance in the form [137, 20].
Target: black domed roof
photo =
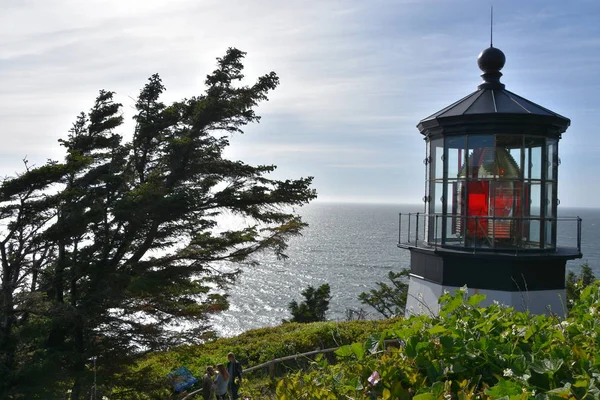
[492, 107]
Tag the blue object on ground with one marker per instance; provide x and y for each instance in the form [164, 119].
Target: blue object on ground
[181, 379]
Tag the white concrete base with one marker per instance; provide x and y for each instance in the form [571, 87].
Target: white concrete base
[423, 298]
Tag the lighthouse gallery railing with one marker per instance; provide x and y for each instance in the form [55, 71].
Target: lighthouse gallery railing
[450, 231]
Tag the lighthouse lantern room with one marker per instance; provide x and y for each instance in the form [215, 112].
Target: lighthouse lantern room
[490, 219]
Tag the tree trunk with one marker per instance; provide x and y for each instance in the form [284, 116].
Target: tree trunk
[7, 341]
[57, 335]
[76, 388]
[78, 358]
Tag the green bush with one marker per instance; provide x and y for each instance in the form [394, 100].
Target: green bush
[467, 352]
[147, 379]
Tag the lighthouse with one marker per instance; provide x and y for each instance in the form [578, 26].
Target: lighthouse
[490, 219]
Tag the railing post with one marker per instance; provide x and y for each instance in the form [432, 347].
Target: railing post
[579, 234]
[435, 231]
[417, 232]
[272, 371]
[399, 228]
[408, 238]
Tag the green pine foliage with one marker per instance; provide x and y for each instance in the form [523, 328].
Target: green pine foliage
[116, 249]
[314, 307]
[388, 300]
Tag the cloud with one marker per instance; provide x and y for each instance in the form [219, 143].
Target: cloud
[298, 148]
[365, 166]
[356, 77]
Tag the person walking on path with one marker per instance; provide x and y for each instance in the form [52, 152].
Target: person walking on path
[235, 375]
[221, 382]
[208, 384]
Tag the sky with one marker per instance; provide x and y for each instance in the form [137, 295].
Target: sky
[356, 78]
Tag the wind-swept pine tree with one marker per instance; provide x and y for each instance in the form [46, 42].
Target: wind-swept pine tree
[314, 307]
[389, 301]
[117, 249]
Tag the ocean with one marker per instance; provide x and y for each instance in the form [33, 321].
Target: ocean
[351, 247]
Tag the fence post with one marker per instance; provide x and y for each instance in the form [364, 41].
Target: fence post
[399, 228]
[435, 236]
[579, 234]
[417, 232]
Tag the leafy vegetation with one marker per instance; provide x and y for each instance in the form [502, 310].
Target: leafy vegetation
[114, 250]
[147, 378]
[467, 352]
[389, 300]
[314, 307]
[576, 283]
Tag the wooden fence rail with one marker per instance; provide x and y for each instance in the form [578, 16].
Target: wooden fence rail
[286, 358]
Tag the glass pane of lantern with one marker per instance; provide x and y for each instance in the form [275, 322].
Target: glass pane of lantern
[536, 162]
[535, 202]
[509, 147]
[535, 199]
[509, 141]
[434, 229]
[502, 205]
[550, 226]
[552, 156]
[438, 229]
[526, 164]
[436, 194]
[438, 197]
[534, 233]
[513, 144]
[430, 197]
[453, 210]
[476, 209]
[518, 208]
[549, 200]
[533, 148]
[481, 153]
[516, 155]
[455, 150]
[437, 158]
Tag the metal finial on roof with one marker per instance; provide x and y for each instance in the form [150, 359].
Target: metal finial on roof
[492, 106]
[490, 62]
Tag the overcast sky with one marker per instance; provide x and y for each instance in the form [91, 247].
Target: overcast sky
[356, 77]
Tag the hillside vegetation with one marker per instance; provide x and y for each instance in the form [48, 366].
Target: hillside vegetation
[148, 379]
[467, 352]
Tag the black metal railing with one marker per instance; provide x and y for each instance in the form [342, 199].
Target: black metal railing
[483, 233]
